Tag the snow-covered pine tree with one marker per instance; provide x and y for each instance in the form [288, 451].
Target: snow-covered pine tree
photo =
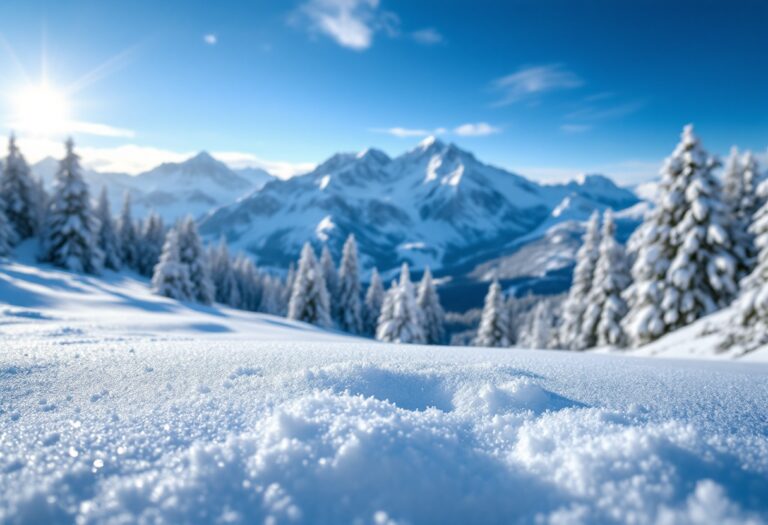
[432, 314]
[733, 183]
[540, 326]
[271, 296]
[127, 234]
[41, 201]
[108, 240]
[387, 309]
[7, 234]
[171, 278]
[740, 181]
[687, 265]
[331, 276]
[750, 324]
[374, 297]
[400, 320]
[286, 289]
[223, 275]
[192, 254]
[349, 312]
[602, 319]
[249, 282]
[70, 237]
[152, 236]
[576, 303]
[309, 297]
[17, 191]
[494, 322]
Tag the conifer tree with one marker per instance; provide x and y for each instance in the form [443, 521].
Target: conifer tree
[400, 320]
[171, 278]
[249, 282]
[688, 264]
[152, 236]
[7, 234]
[286, 290]
[70, 237]
[271, 301]
[309, 298]
[602, 320]
[576, 303]
[193, 256]
[17, 191]
[223, 275]
[540, 326]
[331, 276]
[749, 328]
[432, 312]
[374, 297]
[494, 322]
[348, 304]
[108, 240]
[128, 237]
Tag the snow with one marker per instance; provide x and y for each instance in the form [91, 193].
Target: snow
[117, 406]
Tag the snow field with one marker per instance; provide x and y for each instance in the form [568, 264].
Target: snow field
[206, 431]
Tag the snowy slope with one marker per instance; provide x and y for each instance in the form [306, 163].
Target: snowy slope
[195, 186]
[163, 413]
[435, 204]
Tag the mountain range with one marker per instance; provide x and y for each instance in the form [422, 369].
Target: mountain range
[435, 205]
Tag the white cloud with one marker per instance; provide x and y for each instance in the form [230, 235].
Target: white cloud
[134, 159]
[351, 23]
[210, 39]
[575, 128]
[409, 132]
[64, 128]
[535, 80]
[479, 129]
[428, 36]
[281, 169]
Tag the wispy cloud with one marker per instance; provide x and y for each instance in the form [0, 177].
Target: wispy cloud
[575, 128]
[592, 112]
[351, 23]
[211, 39]
[535, 80]
[428, 36]
[74, 127]
[478, 129]
[134, 158]
[409, 132]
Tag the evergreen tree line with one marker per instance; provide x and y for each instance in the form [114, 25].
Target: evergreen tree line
[79, 236]
[702, 246]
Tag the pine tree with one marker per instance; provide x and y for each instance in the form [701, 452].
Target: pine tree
[17, 191]
[70, 238]
[7, 234]
[108, 240]
[150, 246]
[249, 282]
[41, 201]
[223, 275]
[128, 237]
[400, 320]
[286, 290]
[309, 298]
[602, 319]
[576, 303]
[271, 294]
[494, 322]
[688, 264]
[348, 304]
[171, 278]
[740, 195]
[331, 277]
[374, 298]
[540, 326]
[193, 256]
[750, 324]
[433, 315]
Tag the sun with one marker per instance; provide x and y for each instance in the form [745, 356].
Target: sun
[40, 109]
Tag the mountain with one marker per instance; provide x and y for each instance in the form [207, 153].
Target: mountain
[195, 186]
[434, 205]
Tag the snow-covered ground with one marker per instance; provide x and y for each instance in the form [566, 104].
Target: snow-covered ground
[117, 406]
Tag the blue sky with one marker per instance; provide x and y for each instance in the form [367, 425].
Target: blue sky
[543, 87]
